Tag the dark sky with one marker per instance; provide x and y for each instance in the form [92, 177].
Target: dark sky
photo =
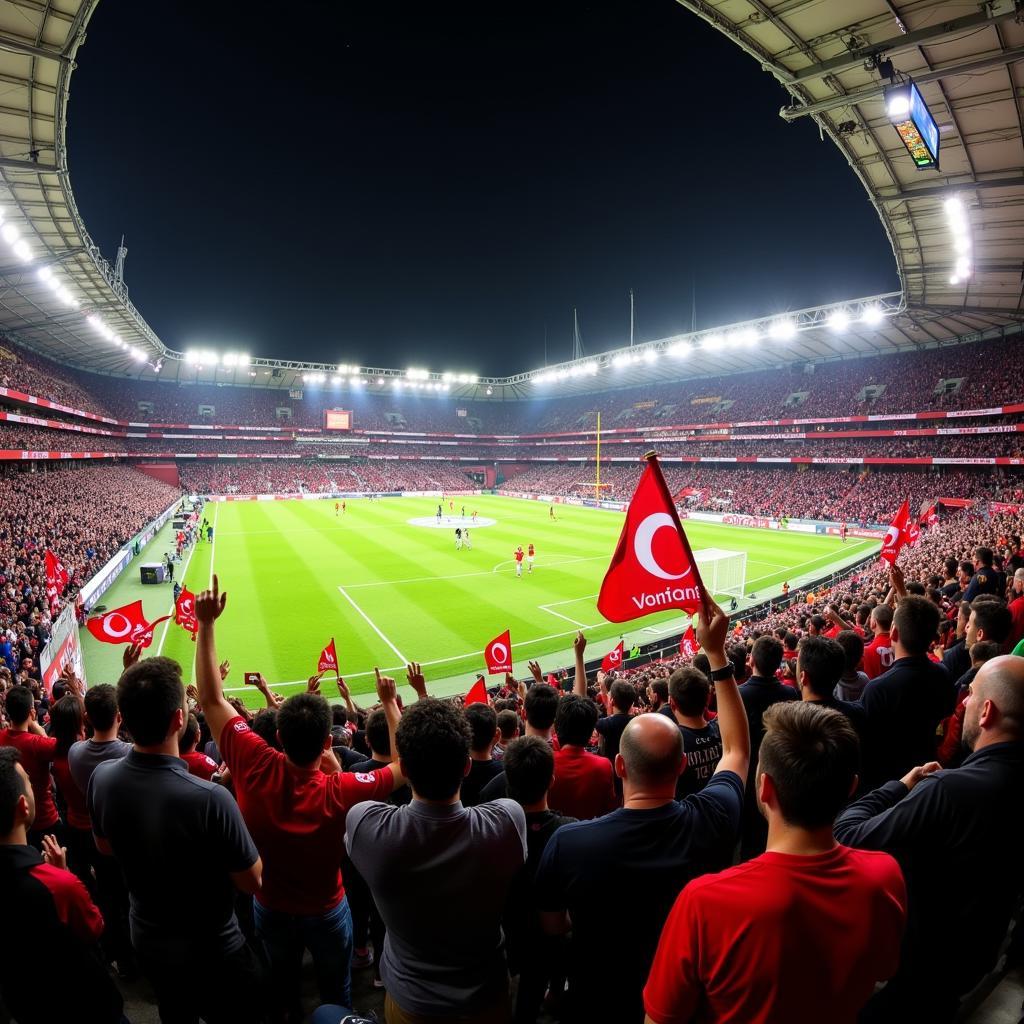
[398, 183]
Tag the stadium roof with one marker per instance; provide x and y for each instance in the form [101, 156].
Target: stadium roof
[61, 297]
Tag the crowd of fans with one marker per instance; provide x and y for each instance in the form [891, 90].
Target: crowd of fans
[84, 515]
[837, 783]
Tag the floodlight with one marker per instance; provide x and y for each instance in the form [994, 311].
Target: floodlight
[783, 329]
[335, 381]
[680, 349]
[839, 320]
[21, 250]
[712, 342]
[872, 315]
[622, 360]
[650, 355]
[44, 273]
[9, 233]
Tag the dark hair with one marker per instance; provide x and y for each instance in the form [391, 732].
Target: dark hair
[822, 661]
[853, 647]
[819, 622]
[378, 737]
[622, 695]
[737, 655]
[811, 754]
[482, 725]
[190, 735]
[916, 588]
[967, 568]
[790, 640]
[575, 721]
[529, 769]
[690, 690]
[101, 706]
[433, 741]
[882, 614]
[950, 565]
[916, 620]
[264, 724]
[659, 687]
[66, 722]
[702, 664]
[984, 555]
[508, 723]
[304, 723]
[993, 617]
[767, 655]
[19, 705]
[541, 704]
[150, 693]
[985, 650]
[12, 786]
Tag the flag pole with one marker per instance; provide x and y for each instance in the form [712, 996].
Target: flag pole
[597, 485]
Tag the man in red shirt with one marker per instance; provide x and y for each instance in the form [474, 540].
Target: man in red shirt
[199, 764]
[518, 556]
[37, 751]
[582, 787]
[294, 804]
[726, 951]
[878, 655]
[1017, 610]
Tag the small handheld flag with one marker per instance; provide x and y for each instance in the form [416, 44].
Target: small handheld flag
[498, 654]
[125, 625]
[477, 695]
[688, 646]
[328, 661]
[613, 659]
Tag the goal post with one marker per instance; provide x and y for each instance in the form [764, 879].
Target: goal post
[723, 572]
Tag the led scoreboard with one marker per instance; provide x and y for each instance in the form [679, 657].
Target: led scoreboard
[337, 419]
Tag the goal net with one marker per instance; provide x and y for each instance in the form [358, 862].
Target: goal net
[723, 572]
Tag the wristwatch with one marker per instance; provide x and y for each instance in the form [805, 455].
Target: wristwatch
[725, 672]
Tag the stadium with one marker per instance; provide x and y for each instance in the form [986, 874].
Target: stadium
[844, 482]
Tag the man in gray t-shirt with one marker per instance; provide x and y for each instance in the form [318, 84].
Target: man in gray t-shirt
[440, 874]
[102, 714]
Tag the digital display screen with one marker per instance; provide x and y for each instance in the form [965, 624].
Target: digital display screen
[919, 132]
[337, 419]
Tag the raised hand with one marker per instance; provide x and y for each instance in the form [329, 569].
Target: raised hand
[131, 654]
[210, 604]
[579, 643]
[387, 692]
[535, 671]
[224, 668]
[192, 693]
[712, 627]
[414, 674]
[313, 683]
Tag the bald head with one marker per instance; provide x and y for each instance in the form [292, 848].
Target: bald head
[652, 750]
[994, 711]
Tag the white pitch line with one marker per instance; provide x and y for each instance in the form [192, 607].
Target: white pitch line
[801, 565]
[374, 627]
[459, 575]
[547, 608]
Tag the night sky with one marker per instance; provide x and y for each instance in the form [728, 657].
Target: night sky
[397, 183]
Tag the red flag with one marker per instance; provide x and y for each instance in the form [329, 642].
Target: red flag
[931, 517]
[329, 660]
[498, 654]
[57, 578]
[185, 612]
[477, 695]
[126, 625]
[913, 532]
[613, 659]
[653, 567]
[896, 535]
[688, 646]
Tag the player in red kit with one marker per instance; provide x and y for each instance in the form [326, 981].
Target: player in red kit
[529, 558]
[336, 507]
[842, 532]
[343, 507]
[519, 560]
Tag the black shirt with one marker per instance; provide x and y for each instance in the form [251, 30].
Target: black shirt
[904, 707]
[177, 839]
[703, 750]
[496, 789]
[955, 826]
[610, 729]
[480, 773]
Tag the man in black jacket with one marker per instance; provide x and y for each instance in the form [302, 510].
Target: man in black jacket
[958, 835]
[905, 704]
[759, 693]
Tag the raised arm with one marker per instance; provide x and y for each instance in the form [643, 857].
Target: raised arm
[387, 693]
[209, 606]
[579, 681]
[712, 630]
[414, 674]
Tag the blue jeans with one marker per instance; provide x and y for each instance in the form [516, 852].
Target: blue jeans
[328, 937]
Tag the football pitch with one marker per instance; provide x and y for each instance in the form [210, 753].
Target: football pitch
[390, 590]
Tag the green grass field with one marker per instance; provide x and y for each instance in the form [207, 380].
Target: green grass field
[389, 592]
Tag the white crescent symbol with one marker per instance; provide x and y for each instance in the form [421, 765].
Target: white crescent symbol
[119, 633]
[642, 545]
[890, 536]
[499, 654]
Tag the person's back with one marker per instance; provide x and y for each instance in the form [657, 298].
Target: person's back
[728, 952]
[582, 787]
[904, 705]
[440, 874]
[946, 826]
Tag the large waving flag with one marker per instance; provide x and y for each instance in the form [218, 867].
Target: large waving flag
[688, 646]
[125, 625]
[57, 578]
[653, 567]
[896, 535]
[498, 654]
[185, 612]
[613, 659]
[931, 517]
[328, 661]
